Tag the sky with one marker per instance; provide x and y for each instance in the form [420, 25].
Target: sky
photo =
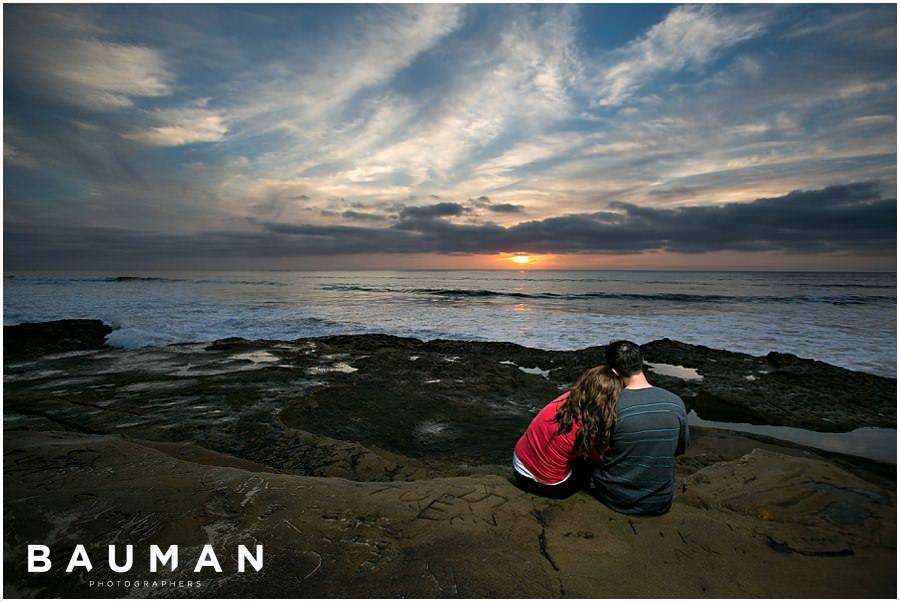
[588, 136]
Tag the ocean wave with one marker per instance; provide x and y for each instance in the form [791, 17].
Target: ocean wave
[241, 282]
[845, 285]
[195, 281]
[139, 279]
[649, 297]
[56, 281]
[148, 334]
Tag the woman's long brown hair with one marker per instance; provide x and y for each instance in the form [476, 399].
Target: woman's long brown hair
[592, 406]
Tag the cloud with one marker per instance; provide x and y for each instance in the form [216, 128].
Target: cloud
[101, 75]
[301, 97]
[506, 208]
[14, 157]
[537, 149]
[508, 84]
[66, 57]
[868, 26]
[182, 126]
[689, 38]
[429, 212]
[852, 218]
[359, 216]
[376, 47]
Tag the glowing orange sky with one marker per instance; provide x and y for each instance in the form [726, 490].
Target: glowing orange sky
[644, 261]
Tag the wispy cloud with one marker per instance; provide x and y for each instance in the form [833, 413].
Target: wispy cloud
[516, 84]
[13, 156]
[74, 62]
[689, 38]
[181, 126]
[866, 26]
[303, 97]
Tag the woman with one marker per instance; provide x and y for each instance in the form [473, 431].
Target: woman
[574, 427]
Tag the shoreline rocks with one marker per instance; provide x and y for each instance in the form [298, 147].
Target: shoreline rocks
[373, 466]
[778, 389]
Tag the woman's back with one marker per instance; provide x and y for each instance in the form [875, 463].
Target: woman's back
[544, 452]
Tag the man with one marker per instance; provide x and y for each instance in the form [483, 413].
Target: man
[638, 473]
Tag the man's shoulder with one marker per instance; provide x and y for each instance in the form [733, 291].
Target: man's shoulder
[665, 393]
[652, 391]
[650, 395]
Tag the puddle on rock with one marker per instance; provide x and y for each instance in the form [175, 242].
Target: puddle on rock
[676, 371]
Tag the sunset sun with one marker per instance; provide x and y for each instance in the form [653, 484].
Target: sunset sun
[521, 260]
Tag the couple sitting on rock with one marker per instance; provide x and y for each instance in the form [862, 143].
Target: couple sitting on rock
[613, 432]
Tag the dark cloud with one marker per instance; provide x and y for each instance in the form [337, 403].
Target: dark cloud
[428, 212]
[506, 208]
[360, 216]
[281, 240]
[485, 203]
[853, 218]
[481, 202]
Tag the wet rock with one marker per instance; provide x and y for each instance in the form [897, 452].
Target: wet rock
[440, 406]
[54, 337]
[779, 389]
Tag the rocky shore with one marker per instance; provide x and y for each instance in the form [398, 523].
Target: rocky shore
[377, 466]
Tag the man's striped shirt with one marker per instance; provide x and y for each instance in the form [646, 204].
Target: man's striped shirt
[638, 475]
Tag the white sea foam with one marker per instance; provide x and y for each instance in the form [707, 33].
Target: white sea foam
[257, 357]
[431, 430]
[535, 371]
[338, 367]
[125, 425]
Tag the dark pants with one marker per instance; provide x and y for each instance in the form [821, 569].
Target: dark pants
[581, 474]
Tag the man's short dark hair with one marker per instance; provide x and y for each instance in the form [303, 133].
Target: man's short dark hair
[625, 358]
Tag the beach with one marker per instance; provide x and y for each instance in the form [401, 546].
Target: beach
[378, 466]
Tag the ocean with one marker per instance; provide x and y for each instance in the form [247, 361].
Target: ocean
[845, 319]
